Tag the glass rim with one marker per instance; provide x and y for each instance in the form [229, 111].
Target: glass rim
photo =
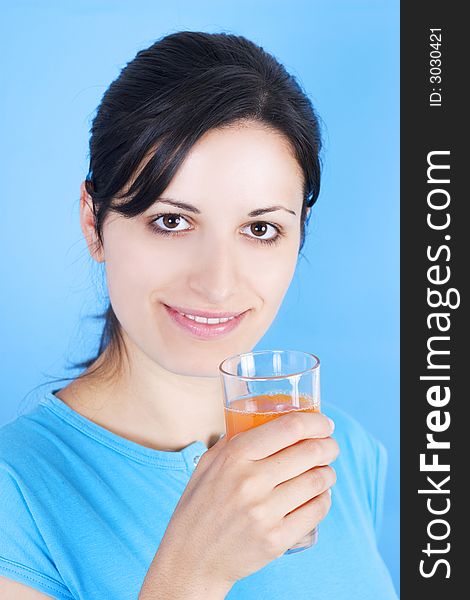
[248, 378]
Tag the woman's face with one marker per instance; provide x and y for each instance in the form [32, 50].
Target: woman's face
[213, 258]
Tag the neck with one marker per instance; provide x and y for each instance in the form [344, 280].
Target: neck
[150, 405]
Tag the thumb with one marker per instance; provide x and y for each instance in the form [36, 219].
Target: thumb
[216, 448]
[209, 456]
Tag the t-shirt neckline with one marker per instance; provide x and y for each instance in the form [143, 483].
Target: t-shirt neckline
[179, 459]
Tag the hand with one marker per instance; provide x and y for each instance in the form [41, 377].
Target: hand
[251, 498]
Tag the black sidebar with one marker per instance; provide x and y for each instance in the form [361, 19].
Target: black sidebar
[435, 336]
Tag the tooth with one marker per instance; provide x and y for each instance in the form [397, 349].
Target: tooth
[210, 321]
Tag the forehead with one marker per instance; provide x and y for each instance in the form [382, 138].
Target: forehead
[242, 164]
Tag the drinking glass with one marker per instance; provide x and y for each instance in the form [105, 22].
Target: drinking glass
[261, 386]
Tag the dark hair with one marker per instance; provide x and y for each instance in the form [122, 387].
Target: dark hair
[163, 101]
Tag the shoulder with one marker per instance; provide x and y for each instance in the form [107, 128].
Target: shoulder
[28, 441]
[13, 436]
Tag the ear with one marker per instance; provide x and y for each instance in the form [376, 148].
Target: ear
[87, 222]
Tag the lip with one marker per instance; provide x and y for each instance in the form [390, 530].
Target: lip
[204, 330]
[200, 313]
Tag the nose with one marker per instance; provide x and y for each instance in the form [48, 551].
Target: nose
[214, 275]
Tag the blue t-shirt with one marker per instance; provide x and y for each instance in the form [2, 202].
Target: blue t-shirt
[83, 511]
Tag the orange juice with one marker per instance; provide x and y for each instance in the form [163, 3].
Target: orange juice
[246, 413]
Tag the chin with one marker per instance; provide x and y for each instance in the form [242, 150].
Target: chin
[194, 370]
[198, 363]
[190, 363]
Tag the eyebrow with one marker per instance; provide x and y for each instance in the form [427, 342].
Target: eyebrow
[193, 209]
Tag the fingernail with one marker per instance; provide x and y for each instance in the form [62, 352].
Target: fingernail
[332, 424]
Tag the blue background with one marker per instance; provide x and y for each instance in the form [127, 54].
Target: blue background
[343, 305]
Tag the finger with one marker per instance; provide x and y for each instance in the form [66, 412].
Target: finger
[298, 458]
[283, 431]
[291, 494]
[302, 520]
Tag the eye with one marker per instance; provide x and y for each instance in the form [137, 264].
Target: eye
[169, 222]
[260, 229]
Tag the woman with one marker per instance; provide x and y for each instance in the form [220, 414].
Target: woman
[204, 163]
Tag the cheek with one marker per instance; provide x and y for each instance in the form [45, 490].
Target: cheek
[133, 269]
[273, 278]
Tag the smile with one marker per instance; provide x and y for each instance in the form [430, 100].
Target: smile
[205, 327]
[210, 321]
